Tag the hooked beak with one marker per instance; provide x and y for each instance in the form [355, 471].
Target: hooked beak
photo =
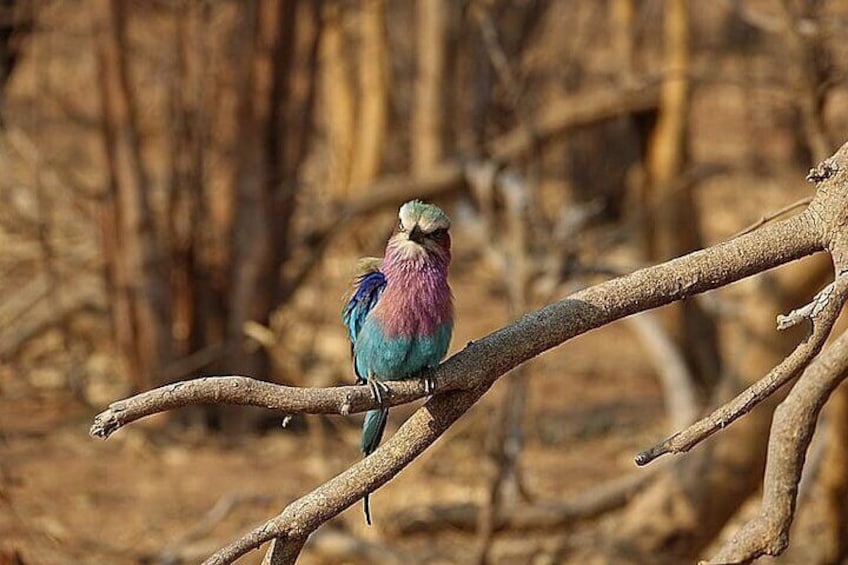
[416, 234]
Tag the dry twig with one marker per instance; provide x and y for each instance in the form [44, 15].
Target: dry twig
[776, 214]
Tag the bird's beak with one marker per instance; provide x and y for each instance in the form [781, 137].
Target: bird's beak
[416, 234]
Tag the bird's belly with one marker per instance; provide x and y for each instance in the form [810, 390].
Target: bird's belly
[399, 357]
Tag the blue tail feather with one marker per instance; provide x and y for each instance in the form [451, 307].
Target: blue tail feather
[373, 428]
[367, 507]
[372, 433]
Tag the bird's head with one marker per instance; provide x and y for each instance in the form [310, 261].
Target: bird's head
[422, 231]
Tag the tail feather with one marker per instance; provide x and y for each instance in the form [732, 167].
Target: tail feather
[367, 507]
[373, 428]
[372, 433]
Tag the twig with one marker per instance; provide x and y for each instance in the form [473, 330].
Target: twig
[776, 214]
[336, 545]
[503, 68]
[578, 110]
[808, 311]
[792, 429]
[765, 387]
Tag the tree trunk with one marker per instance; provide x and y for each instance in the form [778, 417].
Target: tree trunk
[675, 228]
[142, 311]
[428, 106]
[337, 100]
[372, 117]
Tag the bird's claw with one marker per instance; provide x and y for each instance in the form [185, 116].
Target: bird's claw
[429, 384]
[377, 390]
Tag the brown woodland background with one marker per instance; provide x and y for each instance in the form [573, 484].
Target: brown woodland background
[186, 186]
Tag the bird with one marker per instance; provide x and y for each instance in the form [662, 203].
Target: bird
[399, 315]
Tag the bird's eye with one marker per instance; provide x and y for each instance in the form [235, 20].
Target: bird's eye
[439, 232]
[400, 225]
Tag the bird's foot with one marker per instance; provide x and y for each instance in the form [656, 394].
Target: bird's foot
[378, 388]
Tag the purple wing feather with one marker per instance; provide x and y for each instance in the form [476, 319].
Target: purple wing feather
[369, 287]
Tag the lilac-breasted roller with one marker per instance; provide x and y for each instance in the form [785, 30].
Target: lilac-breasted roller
[400, 316]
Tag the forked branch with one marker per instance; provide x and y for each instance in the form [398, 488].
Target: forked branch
[791, 432]
[822, 312]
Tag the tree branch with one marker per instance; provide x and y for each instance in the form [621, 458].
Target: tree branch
[791, 432]
[246, 391]
[677, 381]
[522, 517]
[823, 312]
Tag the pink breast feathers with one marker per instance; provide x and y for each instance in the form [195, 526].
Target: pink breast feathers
[414, 304]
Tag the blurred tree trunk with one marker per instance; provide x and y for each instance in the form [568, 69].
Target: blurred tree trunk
[264, 200]
[280, 135]
[194, 233]
[428, 107]
[621, 19]
[372, 118]
[141, 312]
[250, 247]
[337, 99]
[187, 210]
[14, 27]
[810, 68]
[675, 229]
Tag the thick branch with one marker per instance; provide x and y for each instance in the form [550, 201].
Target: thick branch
[792, 429]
